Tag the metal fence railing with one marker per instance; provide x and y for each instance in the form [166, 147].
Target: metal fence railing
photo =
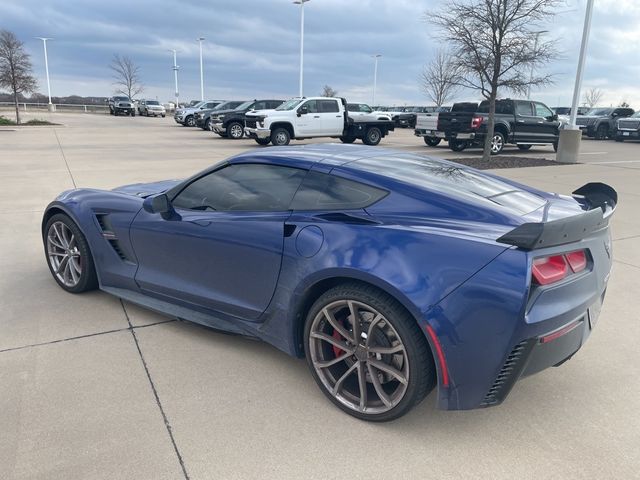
[60, 107]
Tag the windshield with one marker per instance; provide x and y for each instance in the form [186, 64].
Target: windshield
[636, 115]
[121, 99]
[599, 112]
[197, 105]
[289, 104]
[245, 105]
[152, 102]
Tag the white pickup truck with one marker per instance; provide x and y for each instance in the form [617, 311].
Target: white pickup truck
[313, 117]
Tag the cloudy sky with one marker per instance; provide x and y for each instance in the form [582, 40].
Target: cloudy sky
[252, 46]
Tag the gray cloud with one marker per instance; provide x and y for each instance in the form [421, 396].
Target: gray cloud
[252, 46]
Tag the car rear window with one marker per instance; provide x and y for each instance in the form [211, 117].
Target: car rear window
[452, 180]
[320, 191]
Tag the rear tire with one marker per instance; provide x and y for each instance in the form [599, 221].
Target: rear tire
[280, 137]
[372, 136]
[67, 251]
[619, 139]
[457, 145]
[432, 142]
[524, 147]
[407, 373]
[497, 143]
[347, 139]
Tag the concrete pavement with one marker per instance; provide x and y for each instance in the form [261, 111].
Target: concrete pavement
[91, 387]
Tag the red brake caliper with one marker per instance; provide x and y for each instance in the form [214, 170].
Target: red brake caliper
[337, 350]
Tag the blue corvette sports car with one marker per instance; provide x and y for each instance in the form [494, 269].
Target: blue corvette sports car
[392, 273]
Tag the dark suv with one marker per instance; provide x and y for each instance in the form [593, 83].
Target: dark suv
[203, 117]
[600, 123]
[230, 123]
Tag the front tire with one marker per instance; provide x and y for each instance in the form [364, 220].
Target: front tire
[348, 139]
[524, 147]
[68, 255]
[432, 142]
[378, 376]
[235, 130]
[619, 139]
[262, 141]
[189, 121]
[280, 137]
[372, 136]
[602, 132]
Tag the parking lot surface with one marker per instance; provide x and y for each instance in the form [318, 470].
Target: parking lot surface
[91, 387]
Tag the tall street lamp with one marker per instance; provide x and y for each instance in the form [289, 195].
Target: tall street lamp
[301, 3]
[46, 68]
[175, 73]
[200, 39]
[535, 47]
[581, 59]
[375, 77]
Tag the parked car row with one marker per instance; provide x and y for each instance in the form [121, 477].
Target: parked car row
[278, 122]
[523, 123]
[406, 117]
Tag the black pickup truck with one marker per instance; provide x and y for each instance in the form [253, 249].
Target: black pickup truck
[519, 122]
[230, 123]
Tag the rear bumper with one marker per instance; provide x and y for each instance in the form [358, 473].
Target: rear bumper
[550, 349]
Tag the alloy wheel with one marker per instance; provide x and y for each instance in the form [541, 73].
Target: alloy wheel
[63, 254]
[236, 131]
[359, 357]
[497, 143]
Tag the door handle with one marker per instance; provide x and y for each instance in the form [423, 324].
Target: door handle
[316, 116]
[519, 121]
[338, 116]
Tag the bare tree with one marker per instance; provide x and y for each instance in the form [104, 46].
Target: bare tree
[624, 103]
[126, 75]
[327, 91]
[439, 79]
[495, 46]
[15, 68]
[592, 97]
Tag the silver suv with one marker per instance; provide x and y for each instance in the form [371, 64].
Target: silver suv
[187, 116]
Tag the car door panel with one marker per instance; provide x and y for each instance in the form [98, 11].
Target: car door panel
[221, 261]
[332, 119]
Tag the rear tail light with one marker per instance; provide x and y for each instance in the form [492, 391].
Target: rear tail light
[552, 269]
[476, 122]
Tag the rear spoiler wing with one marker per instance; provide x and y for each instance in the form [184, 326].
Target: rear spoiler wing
[601, 199]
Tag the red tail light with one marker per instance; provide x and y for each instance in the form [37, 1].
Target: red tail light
[552, 269]
[577, 260]
[476, 122]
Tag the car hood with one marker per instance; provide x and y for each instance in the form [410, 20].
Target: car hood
[146, 189]
[264, 113]
[224, 112]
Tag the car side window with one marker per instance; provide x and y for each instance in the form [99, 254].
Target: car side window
[524, 108]
[311, 105]
[542, 110]
[364, 109]
[321, 191]
[505, 108]
[259, 106]
[242, 187]
[328, 106]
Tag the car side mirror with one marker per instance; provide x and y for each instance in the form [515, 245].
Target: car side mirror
[554, 117]
[158, 204]
[614, 114]
[303, 110]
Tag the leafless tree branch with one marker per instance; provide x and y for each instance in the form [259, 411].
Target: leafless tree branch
[15, 68]
[439, 79]
[126, 75]
[592, 97]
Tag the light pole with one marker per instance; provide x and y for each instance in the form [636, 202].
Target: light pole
[200, 39]
[175, 73]
[375, 77]
[301, 3]
[535, 47]
[46, 68]
[583, 53]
